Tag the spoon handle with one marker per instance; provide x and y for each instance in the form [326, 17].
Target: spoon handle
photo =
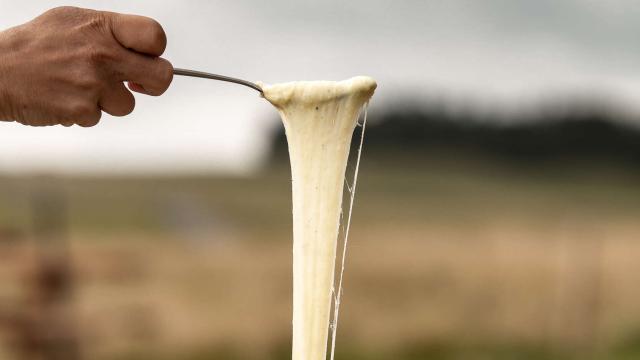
[205, 75]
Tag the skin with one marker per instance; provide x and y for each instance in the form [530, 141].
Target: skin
[69, 65]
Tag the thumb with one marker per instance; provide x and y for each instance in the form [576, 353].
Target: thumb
[138, 33]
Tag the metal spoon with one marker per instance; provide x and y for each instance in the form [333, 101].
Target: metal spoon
[201, 74]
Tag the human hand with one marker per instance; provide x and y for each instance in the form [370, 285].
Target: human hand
[69, 64]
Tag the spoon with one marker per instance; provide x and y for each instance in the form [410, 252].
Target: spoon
[205, 75]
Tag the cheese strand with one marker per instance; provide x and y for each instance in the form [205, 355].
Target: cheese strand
[352, 196]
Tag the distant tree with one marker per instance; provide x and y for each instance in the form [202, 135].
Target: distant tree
[573, 131]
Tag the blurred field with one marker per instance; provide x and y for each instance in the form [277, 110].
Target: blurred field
[448, 259]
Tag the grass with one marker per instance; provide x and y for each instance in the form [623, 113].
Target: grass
[451, 258]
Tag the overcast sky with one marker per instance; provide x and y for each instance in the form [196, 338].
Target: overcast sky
[502, 53]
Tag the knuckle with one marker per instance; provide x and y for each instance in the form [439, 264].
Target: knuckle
[99, 55]
[80, 111]
[95, 54]
[95, 22]
[89, 84]
[58, 10]
[67, 15]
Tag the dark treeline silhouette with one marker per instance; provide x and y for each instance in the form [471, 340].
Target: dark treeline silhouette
[568, 133]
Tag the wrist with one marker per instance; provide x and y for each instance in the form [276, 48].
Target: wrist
[5, 112]
[11, 43]
[4, 93]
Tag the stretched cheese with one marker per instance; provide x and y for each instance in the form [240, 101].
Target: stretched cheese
[319, 118]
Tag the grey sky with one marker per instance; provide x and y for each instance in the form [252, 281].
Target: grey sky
[504, 53]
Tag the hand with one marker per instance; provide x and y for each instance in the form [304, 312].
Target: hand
[69, 64]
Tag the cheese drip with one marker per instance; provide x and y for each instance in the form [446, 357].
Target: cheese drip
[319, 118]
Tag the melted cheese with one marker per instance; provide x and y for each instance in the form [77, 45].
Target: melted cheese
[319, 119]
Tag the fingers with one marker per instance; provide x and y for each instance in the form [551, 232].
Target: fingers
[142, 67]
[117, 100]
[135, 58]
[151, 76]
[139, 33]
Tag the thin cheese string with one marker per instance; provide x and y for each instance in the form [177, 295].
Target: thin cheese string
[352, 191]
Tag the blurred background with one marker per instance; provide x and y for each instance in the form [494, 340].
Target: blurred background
[497, 207]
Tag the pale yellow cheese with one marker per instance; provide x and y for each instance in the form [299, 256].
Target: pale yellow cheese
[319, 119]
